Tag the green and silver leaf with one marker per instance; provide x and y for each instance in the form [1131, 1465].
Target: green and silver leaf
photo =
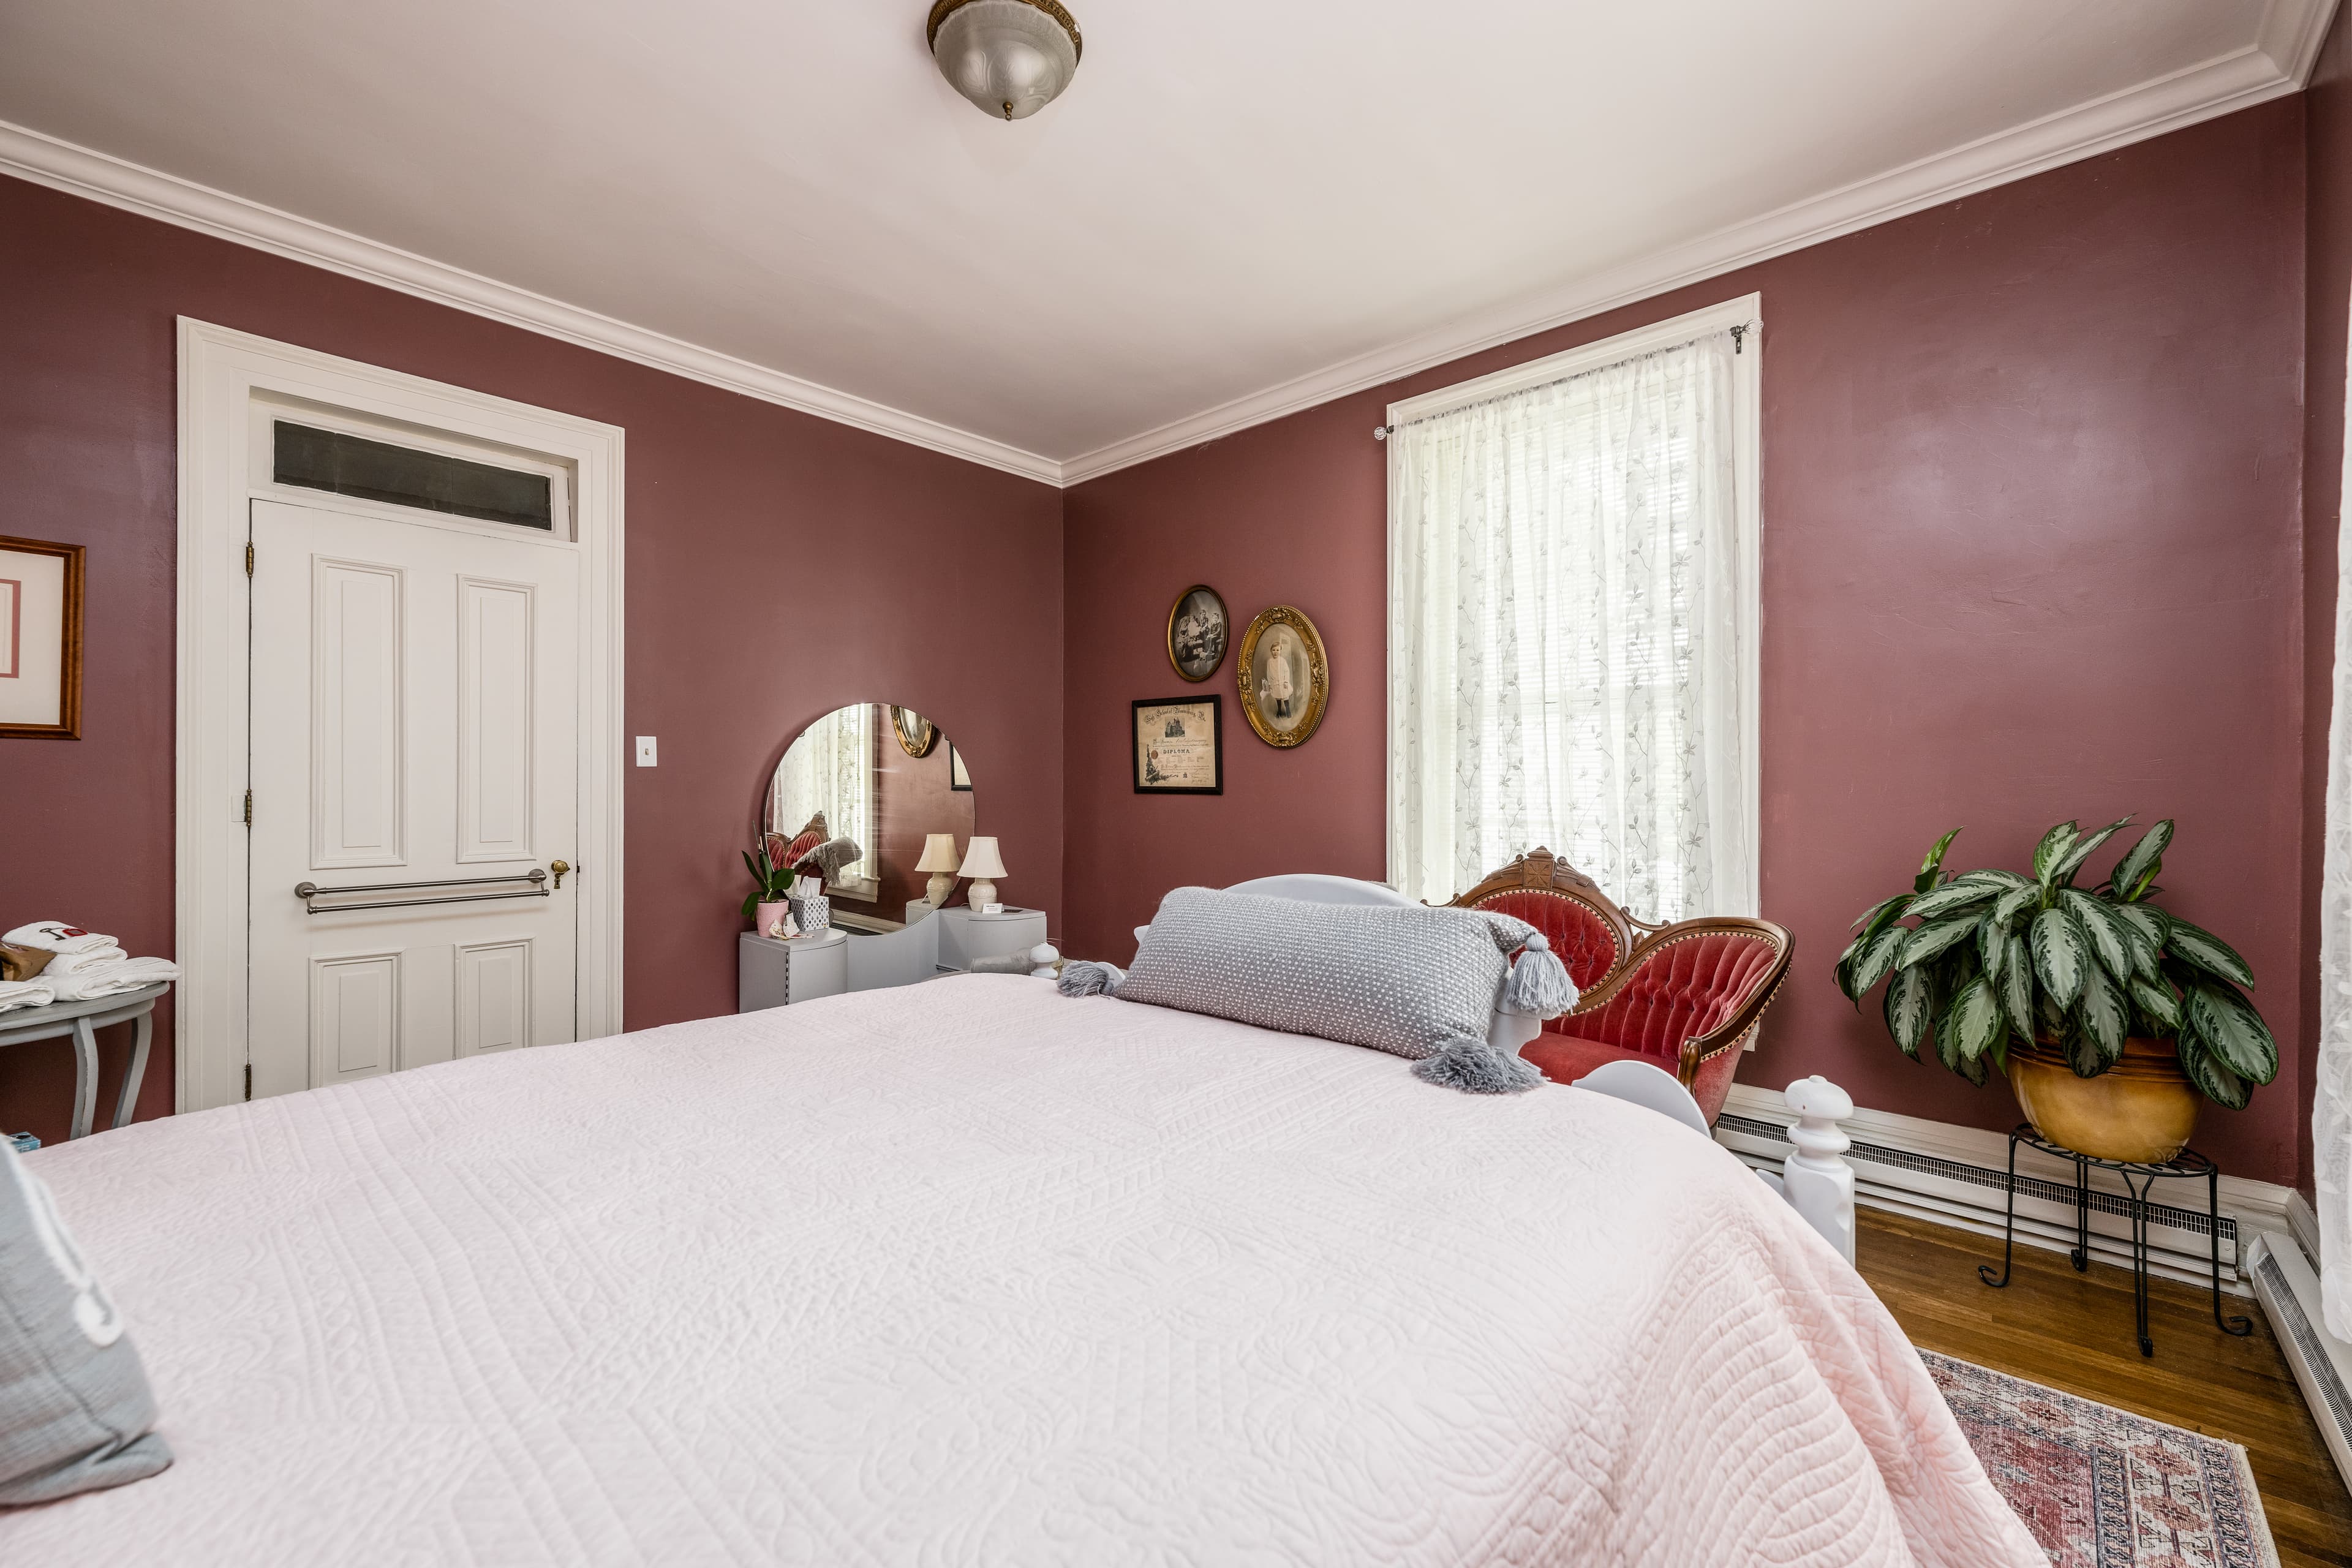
[2017, 986]
[2213, 1080]
[1933, 863]
[1952, 898]
[1876, 960]
[2158, 1001]
[2228, 1027]
[2081, 849]
[2103, 1017]
[1932, 940]
[2015, 903]
[1907, 1005]
[1973, 1025]
[2054, 845]
[2206, 951]
[2062, 954]
[2141, 861]
[2115, 942]
[1881, 915]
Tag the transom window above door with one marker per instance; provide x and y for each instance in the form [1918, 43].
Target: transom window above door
[1572, 618]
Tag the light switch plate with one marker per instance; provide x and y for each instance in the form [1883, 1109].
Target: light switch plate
[645, 752]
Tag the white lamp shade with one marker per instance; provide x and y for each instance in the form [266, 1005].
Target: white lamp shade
[981, 861]
[939, 853]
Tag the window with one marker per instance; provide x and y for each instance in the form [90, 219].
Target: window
[1572, 614]
[350, 465]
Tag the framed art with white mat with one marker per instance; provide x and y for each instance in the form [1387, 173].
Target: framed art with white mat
[40, 638]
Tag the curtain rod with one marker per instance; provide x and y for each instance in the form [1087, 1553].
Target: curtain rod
[1738, 345]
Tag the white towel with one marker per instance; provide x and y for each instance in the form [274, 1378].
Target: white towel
[107, 979]
[57, 937]
[65, 963]
[16, 994]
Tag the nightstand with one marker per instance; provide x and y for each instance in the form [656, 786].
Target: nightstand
[770, 973]
[964, 936]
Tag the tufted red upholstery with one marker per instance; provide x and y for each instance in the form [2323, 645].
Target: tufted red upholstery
[1564, 1059]
[1680, 986]
[1586, 942]
[785, 854]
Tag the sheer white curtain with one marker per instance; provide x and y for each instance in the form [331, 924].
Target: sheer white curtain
[1567, 618]
[830, 768]
[2331, 1104]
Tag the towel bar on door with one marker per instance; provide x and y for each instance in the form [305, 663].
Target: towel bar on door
[307, 891]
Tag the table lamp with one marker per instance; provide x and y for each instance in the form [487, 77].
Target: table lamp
[939, 860]
[982, 863]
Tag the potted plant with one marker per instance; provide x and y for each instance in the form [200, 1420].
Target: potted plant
[2109, 1015]
[771, 883]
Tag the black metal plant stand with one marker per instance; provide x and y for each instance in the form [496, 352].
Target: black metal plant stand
[2138, 1178]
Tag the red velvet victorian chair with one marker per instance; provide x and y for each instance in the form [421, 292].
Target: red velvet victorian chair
[1683, 996]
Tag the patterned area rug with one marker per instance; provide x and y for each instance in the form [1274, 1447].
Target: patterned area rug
[2101, 1488]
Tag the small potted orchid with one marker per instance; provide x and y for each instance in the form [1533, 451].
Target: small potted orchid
[767, 905]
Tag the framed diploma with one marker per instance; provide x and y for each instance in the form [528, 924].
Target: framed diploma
[40, 638]
[1179, 746]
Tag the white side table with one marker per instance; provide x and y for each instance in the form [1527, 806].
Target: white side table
[773, 973]
[82, 1020]
[965, 937]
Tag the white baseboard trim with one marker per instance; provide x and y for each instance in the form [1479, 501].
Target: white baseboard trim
[1955, 1176]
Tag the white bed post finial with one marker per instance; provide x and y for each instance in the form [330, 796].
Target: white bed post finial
[1816, 1180]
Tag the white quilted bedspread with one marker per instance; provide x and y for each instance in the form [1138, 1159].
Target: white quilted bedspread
[968, 1272]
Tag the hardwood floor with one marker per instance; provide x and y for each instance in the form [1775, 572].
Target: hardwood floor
[2074, 1331]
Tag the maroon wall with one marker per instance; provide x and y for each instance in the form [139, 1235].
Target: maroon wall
[2031, 547]
[735, 508]
[2328, 315]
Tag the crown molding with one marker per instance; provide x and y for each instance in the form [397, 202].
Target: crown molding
[78, 170]
[2279, 63]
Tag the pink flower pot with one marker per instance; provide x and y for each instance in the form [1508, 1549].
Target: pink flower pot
[765, 918]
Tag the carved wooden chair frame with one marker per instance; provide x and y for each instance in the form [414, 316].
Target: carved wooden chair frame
[1539, 870]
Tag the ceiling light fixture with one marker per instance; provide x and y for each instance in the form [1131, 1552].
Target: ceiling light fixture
[1011, 58]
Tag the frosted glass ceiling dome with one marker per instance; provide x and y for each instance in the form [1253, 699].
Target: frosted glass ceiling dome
[1011, 58]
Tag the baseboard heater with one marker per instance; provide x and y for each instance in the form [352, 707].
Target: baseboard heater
[1971, 1197]
[2288, 1290]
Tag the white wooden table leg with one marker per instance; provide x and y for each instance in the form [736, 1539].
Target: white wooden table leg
[1816, 1180]
[126, 1100]
[85, 1039]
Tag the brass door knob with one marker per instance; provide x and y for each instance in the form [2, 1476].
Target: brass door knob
[559, 867]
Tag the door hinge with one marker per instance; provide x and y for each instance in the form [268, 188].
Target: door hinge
[248, 558]
[248, 1080]
[249, 808]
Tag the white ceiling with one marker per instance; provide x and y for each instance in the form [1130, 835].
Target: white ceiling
[1241, 207]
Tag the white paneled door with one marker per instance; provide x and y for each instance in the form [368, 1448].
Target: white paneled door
[413, 725]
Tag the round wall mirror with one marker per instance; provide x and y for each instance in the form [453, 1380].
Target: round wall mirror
[876, 800]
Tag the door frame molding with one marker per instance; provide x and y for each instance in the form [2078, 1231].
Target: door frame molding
[221, 371]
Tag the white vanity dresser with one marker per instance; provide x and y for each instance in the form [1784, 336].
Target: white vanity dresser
[775, 973]
[873, 798]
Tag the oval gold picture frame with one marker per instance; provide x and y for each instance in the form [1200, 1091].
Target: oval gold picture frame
[1261, 707]
[1205, 666]
[917, 735]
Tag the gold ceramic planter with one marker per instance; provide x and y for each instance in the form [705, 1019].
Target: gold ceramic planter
[2142, 1110]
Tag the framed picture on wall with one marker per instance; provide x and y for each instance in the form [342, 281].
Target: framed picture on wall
[1284, 676]
[40, 638]
[1179, 746]
[1198, 628]
[958, 777]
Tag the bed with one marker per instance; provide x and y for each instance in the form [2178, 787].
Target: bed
[972, 1272]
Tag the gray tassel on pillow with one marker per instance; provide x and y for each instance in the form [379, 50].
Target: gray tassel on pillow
[1083, 977]
[1538, 984]
[1474, 1067]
